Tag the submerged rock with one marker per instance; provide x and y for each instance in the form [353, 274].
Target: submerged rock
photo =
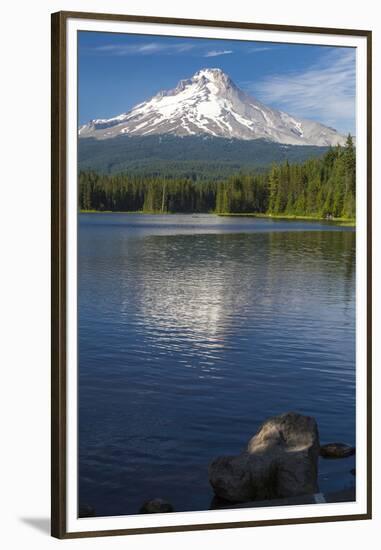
[281, 460]
[336, 450]
[86, 511]
[156, 506]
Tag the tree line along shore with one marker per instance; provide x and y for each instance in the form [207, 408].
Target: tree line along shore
[317, 188]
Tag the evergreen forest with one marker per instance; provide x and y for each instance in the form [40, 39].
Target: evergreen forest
[322, 187]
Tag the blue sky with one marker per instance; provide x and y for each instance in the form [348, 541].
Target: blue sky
[117, 71]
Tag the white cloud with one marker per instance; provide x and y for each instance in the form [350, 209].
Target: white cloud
[216, 53]
[149, 48]
[324, 91]
[146, 48]
[256, 49]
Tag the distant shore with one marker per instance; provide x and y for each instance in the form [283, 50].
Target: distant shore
[349, 222]
[345, 222]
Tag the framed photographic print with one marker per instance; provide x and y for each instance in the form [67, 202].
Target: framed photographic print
[211, 292]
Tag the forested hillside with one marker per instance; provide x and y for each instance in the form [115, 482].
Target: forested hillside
[198, 158]
[321, 187]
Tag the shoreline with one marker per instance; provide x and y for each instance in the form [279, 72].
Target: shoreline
[344, 222]
[347, 222]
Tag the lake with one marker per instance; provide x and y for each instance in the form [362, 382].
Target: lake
[193, 329]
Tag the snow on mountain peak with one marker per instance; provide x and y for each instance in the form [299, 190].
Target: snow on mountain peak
[210, 73]
[209, 103]
[213, 75]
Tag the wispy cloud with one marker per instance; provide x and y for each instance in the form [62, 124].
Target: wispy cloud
[216, 53]
[257, 49]
[325, 91]
[150, 48]
[147, 48]
[168, 48]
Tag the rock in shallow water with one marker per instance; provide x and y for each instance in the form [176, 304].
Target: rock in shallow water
[336, 450]
[281, 460]
[86, 511]
[156, 506]
[230, 478]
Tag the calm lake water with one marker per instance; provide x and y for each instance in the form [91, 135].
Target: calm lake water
[193, 329]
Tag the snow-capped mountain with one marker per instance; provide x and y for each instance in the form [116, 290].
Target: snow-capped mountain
[210, 103]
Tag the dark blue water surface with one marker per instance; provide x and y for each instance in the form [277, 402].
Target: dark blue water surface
[193, 329]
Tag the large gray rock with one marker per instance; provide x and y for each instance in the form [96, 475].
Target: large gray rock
[281, 460]
[291, 443]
